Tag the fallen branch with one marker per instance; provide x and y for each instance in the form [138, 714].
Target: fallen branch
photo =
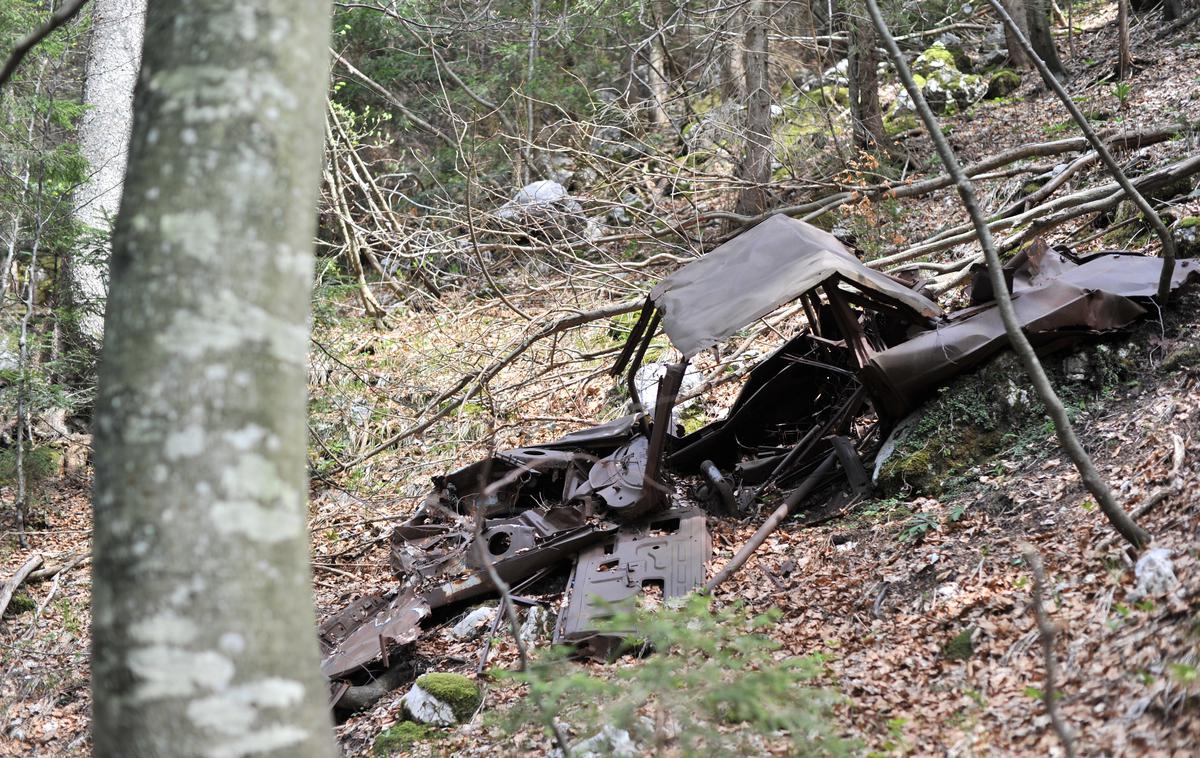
[9, 587]
[1046, 636]
[477, 379]
[51, 570]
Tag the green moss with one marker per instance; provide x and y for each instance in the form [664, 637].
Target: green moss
[455, 690]
[41, 463]
[828, 95]
[20, 603]
[900, 123]
[1002, 82]
[401, 737]
[1187, 222]
[991, 411]
[931, 57]
[960, 647]
[1184, 358]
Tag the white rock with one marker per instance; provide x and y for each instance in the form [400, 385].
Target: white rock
[532, 628]
[1155, 574]
[647, 378]
[609, 741]
[427, 709]
[472, 625]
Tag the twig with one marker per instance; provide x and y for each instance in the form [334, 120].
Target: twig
[476, 380]
[1046, 635]
[9, 587]
[1020, 343]
[22, 48]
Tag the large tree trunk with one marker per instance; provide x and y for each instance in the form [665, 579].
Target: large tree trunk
[1016, 55]
[114, 53]
[203, 638]
[755, 168]
[863, 75]
[1037, 16]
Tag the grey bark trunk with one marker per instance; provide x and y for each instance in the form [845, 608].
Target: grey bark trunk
[755, 168]
[203, 638]
[1016, 54]
[1037, 16]
[114, 53]
[863, 75]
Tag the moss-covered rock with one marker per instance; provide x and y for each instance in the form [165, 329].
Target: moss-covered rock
[945, 87]
[1002, 82]
[41, 463]
[401, 737]
[1186, 233]
[990, 410]
[455, 690]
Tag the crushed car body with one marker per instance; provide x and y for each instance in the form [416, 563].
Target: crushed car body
[622, 505]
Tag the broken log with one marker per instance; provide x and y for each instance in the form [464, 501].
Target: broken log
[772, 523]
[10, 587]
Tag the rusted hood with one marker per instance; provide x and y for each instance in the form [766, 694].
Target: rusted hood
[746, 278]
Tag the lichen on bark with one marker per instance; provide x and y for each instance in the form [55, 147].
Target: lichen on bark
[203, 627]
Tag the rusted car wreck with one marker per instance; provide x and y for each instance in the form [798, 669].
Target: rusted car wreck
[623, 505]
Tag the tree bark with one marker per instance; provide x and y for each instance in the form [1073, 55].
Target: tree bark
[114, 54]
[203, 634]
[1037, 18]
[1124, 57]
[1016, 54]
[863, 74]
[755, 168]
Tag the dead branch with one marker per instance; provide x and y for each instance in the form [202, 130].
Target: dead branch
[1046, 633]
[394, 101]
[474, 382]
[1164, 234]
[60, 17]
[9, 587]
[50, 570]
[1020, 344]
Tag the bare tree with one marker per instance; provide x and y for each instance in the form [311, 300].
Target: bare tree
[1016, 55]
[114, 53]
[203, 637]
[863, 75]
[755, 168]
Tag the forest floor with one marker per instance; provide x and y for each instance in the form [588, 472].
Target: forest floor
[881, 603]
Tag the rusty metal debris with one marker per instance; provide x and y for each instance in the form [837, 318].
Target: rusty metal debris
[622, 504]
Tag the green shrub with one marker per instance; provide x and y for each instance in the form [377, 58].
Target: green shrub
[715, 679]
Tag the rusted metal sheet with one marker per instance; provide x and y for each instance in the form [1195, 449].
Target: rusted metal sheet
[1098, 295]
[398, 623]
[668, 551]
[761, 269]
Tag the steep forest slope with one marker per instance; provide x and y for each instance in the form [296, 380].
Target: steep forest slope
[450, 319]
